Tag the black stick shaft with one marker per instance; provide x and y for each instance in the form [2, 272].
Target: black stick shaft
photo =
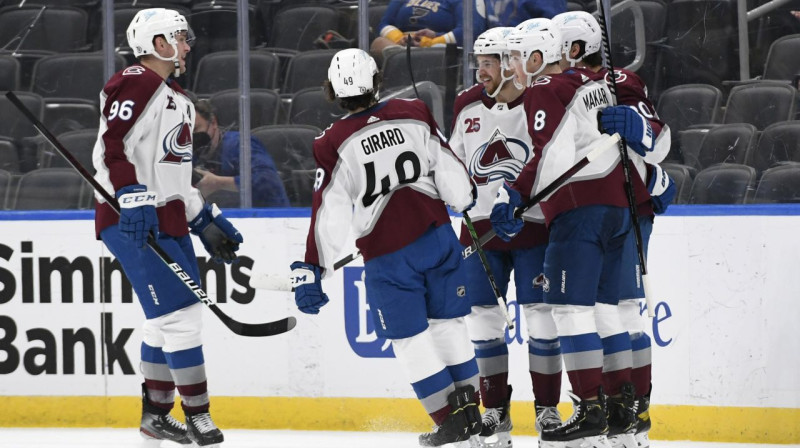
[623, 147]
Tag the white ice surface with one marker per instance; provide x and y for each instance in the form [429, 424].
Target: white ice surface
[239, 438]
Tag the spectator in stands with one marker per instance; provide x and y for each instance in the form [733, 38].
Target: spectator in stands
[425, 23]
[513, 12]
[216, 161]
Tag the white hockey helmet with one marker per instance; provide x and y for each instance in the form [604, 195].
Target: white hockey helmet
[534, 35]
[492, 41]
[579, 26]
[149, 23]
[351, 73]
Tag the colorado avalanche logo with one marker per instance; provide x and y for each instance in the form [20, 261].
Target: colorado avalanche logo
[177, 145]
[618, 74]
[499, 158]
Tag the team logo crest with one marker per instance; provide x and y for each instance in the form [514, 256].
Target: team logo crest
[359, 325]
[618, 75]
[177, 145]
[501, 157]
[542, 281]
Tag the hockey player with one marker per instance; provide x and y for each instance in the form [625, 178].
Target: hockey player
[490, 135]
[386, 170]
[144, 155]
[648, 141]
[587, 218]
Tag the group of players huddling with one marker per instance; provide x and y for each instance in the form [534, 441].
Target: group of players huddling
[542, 103]
[385, 172]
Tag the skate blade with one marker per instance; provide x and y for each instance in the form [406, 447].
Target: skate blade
[642, 440]
[623, 441]
[496, 440]
[213, 445]
[472, 442]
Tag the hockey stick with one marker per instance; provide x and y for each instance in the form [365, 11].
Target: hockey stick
[623, 153]
[243, 329]
[501, 300]
[609, 142]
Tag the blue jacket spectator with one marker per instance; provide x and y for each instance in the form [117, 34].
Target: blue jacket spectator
[216, 159]
[435, 21]
[513, 12]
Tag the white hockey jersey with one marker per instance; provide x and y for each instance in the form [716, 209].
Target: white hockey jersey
[493, 141]
[386, 171]
[145, 137]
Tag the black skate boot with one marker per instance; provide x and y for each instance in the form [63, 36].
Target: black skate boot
[547, 417]
[621, 415]
[158, 425]
[202, 430]
[586, 428]
[496, 426]
[643, 421]
[463, 421]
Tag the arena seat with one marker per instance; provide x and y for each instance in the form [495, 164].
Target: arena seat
[724, 183]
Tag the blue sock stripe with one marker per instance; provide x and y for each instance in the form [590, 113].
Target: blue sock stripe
[185, 358]
[580, 343]
[491, 352]
[463, 371]
[544, 347]
[153, 354]
[641, 342]
[616, 343]
[432, 384]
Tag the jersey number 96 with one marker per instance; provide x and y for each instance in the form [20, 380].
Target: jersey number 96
[387, 183]
[122, 110]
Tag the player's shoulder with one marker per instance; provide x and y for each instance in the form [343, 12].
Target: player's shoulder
[625, 76]
[404, 108]
[135, 81]
[468, 96]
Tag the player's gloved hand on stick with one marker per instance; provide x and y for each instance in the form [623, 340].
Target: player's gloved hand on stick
[137, 214]
[307, 287]
[218, 235]
[634, 128]
[503, 221]
[661, 188]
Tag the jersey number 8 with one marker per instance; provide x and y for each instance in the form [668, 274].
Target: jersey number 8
[386, 182]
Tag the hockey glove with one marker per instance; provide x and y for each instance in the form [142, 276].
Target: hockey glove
[137, 213]
[307, 287]
[633, 127]
[661, 188]
[503, 221]
[217, 234]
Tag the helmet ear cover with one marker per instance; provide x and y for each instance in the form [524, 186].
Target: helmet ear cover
[352, 72]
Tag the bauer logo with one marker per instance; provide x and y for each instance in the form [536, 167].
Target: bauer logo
[358, 322]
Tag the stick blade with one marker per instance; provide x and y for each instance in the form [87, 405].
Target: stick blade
[271, 282]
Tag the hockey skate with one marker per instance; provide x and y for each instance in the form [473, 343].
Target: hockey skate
[643, 421]
[586, 428]
[202, 430]
[496, 426]
[157, 424]
[462, 422]
[621, 415]
[547, 417]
